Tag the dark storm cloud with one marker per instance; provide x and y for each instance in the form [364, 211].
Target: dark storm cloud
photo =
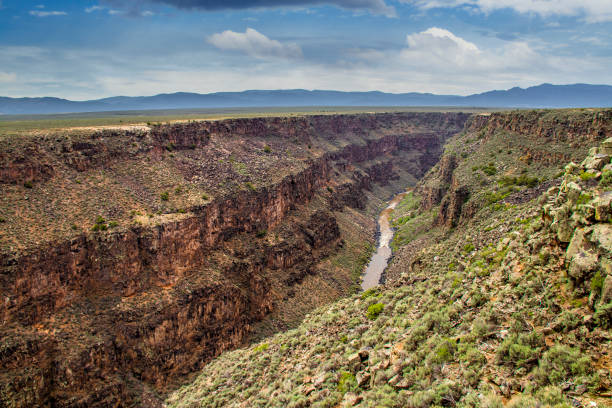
[374, 6]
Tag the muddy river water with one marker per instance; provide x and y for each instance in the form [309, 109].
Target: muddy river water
[379, 260]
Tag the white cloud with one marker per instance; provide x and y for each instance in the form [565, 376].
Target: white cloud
[437, 45]
[39, 13]
[434, 60]
[591, 10]
[440, 52]
[375, 6]
[255, 44]
[8, 76]
[93, 8]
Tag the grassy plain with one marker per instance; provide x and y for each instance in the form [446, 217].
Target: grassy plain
[26, 124]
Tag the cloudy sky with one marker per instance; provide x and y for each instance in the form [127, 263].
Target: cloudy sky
[98, 48]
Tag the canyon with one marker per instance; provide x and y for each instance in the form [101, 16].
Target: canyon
[498, 292]
[131, 258]
[133, 261]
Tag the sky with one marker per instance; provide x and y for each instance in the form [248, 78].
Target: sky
[89, 49]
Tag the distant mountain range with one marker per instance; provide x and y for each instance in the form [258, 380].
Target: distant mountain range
[542, 96]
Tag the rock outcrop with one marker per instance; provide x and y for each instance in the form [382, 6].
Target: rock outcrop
[578, 212]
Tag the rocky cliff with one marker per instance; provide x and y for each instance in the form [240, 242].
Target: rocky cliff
[130, 258]
[511, 306]
[541, 142]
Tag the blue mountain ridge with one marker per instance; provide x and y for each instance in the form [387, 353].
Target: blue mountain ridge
[541, 96]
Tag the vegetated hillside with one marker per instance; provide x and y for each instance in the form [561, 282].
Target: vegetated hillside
[130, 258]
[499, 293]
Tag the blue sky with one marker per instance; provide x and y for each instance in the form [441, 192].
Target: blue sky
[98, 48]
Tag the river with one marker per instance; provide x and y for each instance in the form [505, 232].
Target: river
[379, 260]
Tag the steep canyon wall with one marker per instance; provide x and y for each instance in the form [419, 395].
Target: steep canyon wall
[115, 316]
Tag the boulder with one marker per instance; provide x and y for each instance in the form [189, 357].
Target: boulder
[564, 230]
[606, 146]
[603, 206]
[363, 378]
[596, 162]
[571, 168]
[606, 291]
[582, 264]
[351, 399]
[573, 192]
[553, 191]
[602, 237]
[578, 242]
[354, 361]
[606, 266]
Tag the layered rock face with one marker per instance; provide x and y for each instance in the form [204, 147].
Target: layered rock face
[113, 317]
[535, 139]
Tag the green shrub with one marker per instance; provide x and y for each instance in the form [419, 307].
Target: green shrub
[568, 321]
[28, 184]
[492, 197]
[261, 347]
[586, 175]
[347, 382]
[552, 397]
[374, 310]
[250, 186]
[402, 220]
[267, 149]
[165, 196]
[520, 350]
[262, 233]
[444, 352]
[606, 178]
[205, 197]
[524, 180]
[467, 248]
[370, 292]
[583, 199]
[472, 357]
[492, 401]
[489, 169]
[603, 316]
[113, 224]
[597, 282]
[562, 363]
[100, 224]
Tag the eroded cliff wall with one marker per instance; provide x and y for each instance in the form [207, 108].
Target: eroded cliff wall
[200, 230]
